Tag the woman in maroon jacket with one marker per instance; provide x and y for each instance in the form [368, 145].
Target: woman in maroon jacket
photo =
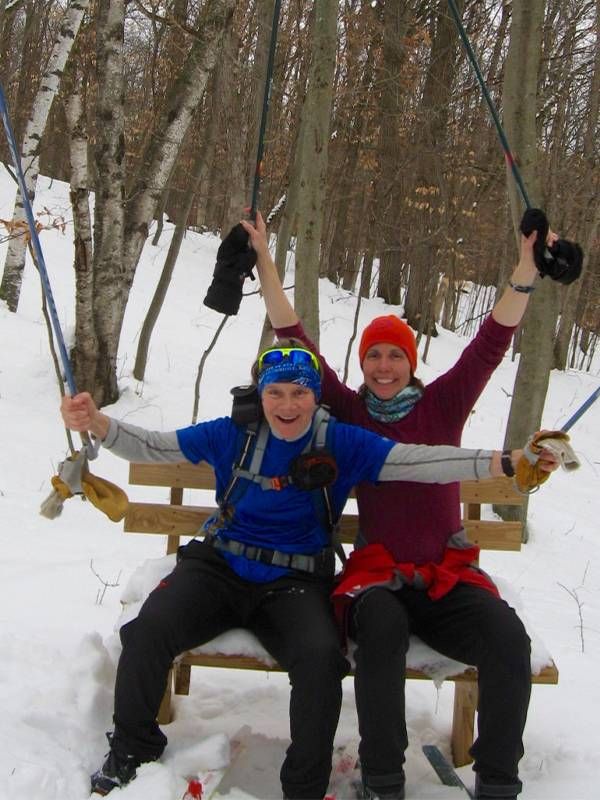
[420, 525]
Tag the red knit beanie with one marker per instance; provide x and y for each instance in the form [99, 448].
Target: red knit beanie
[389, 330]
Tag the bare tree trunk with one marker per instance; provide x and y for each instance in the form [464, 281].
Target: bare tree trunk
[537, 342]
[388, 200]
[235, 134]
[85, 333]
[10, 288]
[314, 143]
[429, 243]
[99, 370]
[590, 219]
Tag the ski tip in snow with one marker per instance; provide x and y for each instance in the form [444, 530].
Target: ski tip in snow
[443, 768]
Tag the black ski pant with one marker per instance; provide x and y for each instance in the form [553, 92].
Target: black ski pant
[468, 624]
[204, 597]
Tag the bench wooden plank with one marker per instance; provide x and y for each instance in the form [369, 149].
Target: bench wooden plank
[185, 475]
[182, 474]
[175, 520]
[549, 675]
[493, 490]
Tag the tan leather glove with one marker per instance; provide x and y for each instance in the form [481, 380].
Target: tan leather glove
[528, 474]
[106, 496]
[75, 478]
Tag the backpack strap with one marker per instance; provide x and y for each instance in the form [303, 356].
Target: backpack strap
[254, 445]
[322, 499]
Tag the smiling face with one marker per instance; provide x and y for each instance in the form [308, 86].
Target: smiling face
[288, 408]
[386, 370]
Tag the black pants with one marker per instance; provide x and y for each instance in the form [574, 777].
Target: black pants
[469, 624]
[202, 598]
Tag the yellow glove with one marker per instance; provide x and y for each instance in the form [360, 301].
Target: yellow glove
[106, 496]
[60, 487]
[529, 475]
[75, 478]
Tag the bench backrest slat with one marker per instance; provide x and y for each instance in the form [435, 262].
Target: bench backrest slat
[175, 520]
[201, 476]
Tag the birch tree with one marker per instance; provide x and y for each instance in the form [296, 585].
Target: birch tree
[124, 213]
[10, 288]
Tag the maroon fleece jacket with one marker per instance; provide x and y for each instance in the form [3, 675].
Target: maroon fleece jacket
[415, 520]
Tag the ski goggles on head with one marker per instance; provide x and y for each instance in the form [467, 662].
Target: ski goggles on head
[290, 355]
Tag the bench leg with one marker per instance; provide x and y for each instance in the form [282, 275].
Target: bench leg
[463, 721]
[165, 714]
[182, 676]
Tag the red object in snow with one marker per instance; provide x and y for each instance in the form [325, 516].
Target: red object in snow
[194, 790]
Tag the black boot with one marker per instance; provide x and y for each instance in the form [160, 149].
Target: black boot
[383, 787]
[486, 790]
[117, 770]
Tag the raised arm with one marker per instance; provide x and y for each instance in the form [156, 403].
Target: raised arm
[511, 306]
[279, 308]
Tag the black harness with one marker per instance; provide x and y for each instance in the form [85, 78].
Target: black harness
[313, 470]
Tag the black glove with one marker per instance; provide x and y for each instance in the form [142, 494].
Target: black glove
[565, 263]
[563, 260]
[534, 219]
[235, 260]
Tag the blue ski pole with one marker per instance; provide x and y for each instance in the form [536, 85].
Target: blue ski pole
[581, 410]
[35, 243]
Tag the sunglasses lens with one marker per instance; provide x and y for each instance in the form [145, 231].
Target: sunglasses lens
[294, 356]
[272, 357]
[300, 357]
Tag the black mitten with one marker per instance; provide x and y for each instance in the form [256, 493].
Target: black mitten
[234, 245]
[235, 260]
[566, 262]
[534, 219]
[563, 260]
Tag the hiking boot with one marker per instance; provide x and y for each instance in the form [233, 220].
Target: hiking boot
[386, 787]
[487, 790]
[369, 794]
[117, 770]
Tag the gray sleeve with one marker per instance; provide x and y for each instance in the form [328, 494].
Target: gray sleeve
[137, 444]
[439, 464]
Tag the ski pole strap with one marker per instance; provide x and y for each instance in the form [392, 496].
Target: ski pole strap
[321, 564]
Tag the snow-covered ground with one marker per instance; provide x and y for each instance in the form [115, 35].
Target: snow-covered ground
[58, 648]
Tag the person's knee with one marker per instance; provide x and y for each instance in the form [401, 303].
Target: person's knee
[147, 630]
[507, 638]
[380, 621]
[321, 660]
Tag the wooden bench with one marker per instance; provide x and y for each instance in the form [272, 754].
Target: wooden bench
[174, 520]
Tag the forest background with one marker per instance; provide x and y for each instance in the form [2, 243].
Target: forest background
[378, 137]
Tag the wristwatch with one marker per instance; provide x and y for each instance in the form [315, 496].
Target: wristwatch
[522, 289]
[506, 461]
